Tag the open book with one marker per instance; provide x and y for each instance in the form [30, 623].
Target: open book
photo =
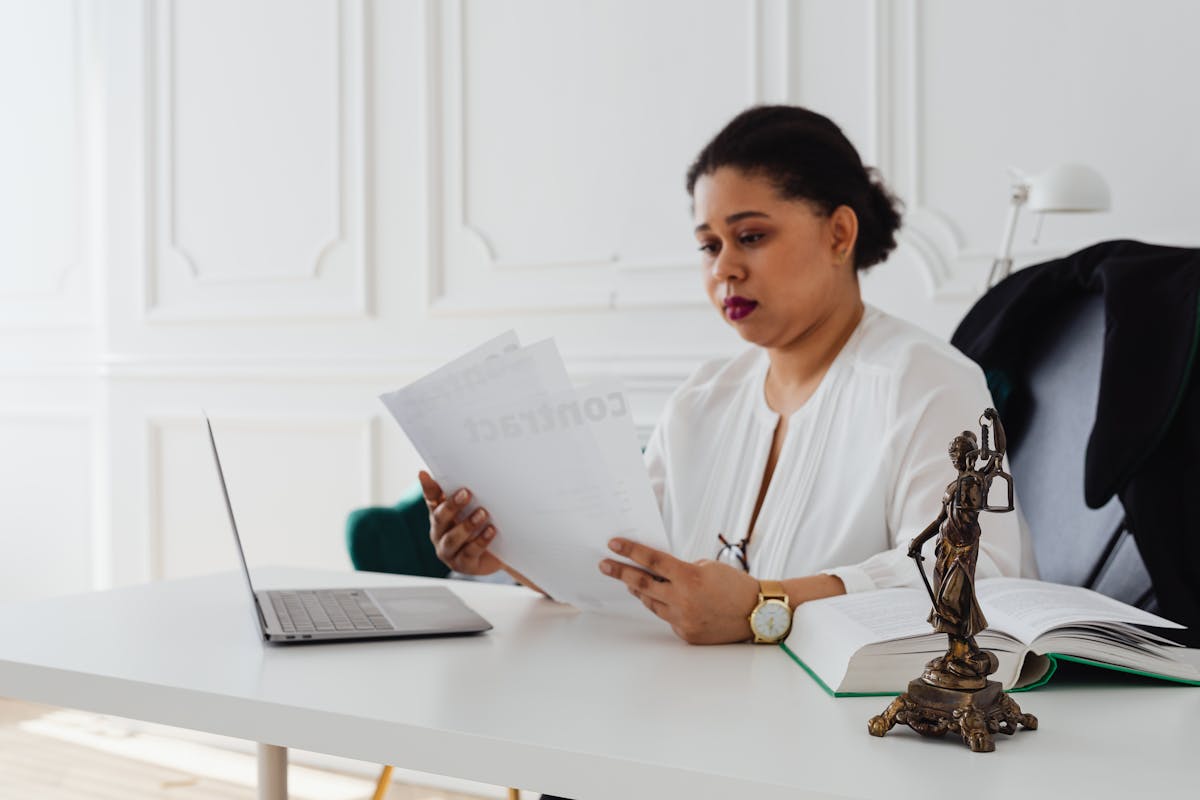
[876, 642]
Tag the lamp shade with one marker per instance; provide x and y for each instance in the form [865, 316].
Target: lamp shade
[1069, 187]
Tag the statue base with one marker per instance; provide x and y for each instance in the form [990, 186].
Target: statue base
[974, 714]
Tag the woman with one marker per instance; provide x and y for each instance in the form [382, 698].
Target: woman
[814, 457]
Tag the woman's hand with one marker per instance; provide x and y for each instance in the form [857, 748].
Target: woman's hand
[461, 542]
[704, 603]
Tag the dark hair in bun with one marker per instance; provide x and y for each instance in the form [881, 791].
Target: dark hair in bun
[807, 157]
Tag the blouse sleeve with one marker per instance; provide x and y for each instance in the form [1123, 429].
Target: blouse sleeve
[923, 424]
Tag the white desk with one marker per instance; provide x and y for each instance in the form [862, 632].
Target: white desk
[552, 700]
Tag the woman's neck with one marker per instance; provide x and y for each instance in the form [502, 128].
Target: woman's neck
[797, 368]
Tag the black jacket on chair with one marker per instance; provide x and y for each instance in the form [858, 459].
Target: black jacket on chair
[1144, 445]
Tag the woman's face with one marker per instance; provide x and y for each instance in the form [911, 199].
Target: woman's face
[775, 269]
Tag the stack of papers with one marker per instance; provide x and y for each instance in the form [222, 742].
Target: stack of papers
[559, 469]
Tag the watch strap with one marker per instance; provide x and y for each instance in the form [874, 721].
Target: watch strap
[771, 590]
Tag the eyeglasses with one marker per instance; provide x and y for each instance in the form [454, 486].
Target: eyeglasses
[733, 554]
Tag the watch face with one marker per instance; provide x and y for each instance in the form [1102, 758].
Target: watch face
[771, 620]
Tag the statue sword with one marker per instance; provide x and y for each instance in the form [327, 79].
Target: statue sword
[920, 559]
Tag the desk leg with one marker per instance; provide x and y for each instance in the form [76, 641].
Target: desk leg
[272, 772]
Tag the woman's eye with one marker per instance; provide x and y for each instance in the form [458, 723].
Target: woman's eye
[708, 247]
[750, 238]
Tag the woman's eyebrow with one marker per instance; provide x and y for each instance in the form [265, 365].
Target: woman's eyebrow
[732, 218]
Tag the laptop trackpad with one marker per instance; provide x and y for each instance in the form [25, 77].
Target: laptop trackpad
[427, 609]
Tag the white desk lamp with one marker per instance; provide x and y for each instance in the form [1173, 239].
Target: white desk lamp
[1069, 188]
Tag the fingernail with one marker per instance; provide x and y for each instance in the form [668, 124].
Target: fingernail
[478, 515]
[616, 545]
[489, 532]
[462, 496]
[606, 568]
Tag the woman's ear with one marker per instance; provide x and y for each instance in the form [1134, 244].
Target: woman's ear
[843, 227]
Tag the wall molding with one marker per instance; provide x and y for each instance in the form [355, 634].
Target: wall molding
[52, 305]
[154, 424]
[645, 368]
[953, 270]
[606, 279]
[298, 290]
[895, 111]
[84, 123]
[643, 371]
[88, 423]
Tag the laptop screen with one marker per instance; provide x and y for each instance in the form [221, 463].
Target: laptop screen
[237, 540]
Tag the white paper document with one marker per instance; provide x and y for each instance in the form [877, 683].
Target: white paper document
[558, 468]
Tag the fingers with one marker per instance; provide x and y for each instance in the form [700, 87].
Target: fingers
[430, 488]
[443, 510]
[640, 582]
[445, 514]
[461, 534]
[655, 561]
[471, 554]
[459, 543]
[657, 607]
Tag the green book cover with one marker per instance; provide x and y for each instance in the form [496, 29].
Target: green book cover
[1055, 658]
[825, 686]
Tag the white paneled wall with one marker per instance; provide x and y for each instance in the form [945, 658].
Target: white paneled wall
[266, 97]
[281, 492]
[47, 472]
[45, 164]
[551, 193]
[276, 210]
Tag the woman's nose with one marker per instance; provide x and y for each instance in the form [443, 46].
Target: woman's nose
[726, 266]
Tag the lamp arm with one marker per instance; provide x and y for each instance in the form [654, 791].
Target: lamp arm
[1002, 265]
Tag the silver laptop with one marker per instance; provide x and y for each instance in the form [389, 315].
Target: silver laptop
[322, 615]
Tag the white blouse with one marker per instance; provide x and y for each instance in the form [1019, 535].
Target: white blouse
[862, 469]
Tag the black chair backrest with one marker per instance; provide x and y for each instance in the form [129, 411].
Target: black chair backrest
[1073, 544]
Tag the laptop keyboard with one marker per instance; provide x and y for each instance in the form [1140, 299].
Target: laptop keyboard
[327, 610]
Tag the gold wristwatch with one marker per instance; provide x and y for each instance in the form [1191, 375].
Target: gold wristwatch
[771, 619]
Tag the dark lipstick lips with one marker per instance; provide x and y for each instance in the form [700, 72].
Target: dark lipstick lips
[739, 307]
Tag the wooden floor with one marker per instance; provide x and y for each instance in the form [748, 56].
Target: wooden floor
[53, 754]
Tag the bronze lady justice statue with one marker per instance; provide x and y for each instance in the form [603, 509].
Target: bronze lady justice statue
[953, 693]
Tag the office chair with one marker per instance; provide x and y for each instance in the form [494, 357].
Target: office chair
[1093, 360]
[1073, 544]
[396, 539]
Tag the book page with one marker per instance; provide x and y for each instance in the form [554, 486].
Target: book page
[827, 633]
[876, 642]
[1026, 609]
[882, 615]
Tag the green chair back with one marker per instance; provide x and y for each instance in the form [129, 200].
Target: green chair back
[394, 539]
